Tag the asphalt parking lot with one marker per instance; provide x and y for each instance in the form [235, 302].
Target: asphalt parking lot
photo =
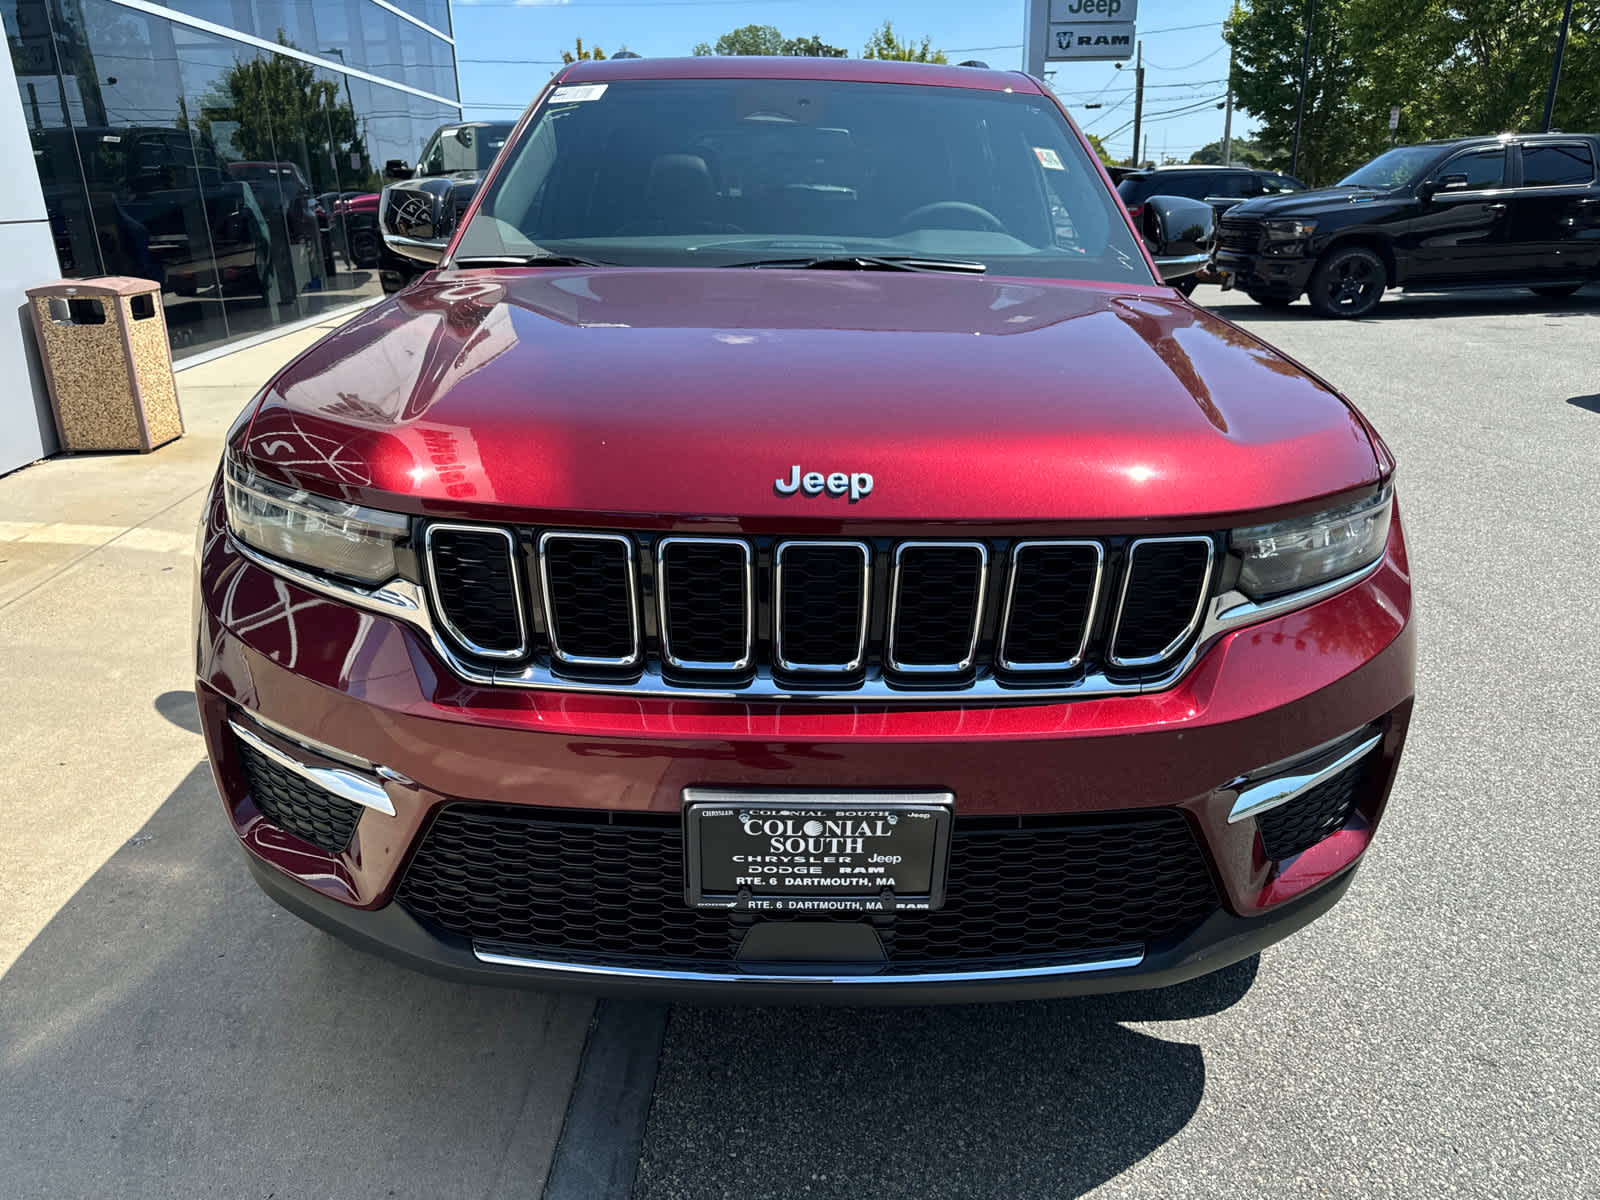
[165, 1030]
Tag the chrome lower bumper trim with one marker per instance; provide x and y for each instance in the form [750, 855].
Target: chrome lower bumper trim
[365, 790]
[1257, 798]
[645, 974]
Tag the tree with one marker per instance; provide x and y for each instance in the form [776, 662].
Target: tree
[1452, 67]
[593, 54]
[1245, 150]
[767, 40]
[1100, 149]
[278, 110]
[884, 44]
[813, 47]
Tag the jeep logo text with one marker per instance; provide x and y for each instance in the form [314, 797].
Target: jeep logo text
[814, 483]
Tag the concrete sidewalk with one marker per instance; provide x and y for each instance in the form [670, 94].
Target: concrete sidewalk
[164, 1028]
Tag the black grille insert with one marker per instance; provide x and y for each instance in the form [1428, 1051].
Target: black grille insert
[294, 803]
[938, 604]
[476, 589]
[821, 605]
[570, 888]
[706, 603]
[1166, 583]
[591, 599]
[1051, 604]
[1303, 822]
[1239, 233]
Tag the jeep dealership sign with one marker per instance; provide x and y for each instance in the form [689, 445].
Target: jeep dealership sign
[1079, 31]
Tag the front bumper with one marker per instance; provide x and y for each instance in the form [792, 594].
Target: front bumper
[1265, 274]
[364, 689]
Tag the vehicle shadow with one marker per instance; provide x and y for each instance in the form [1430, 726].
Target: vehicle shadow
[1398, 306]
[1038, 1099]
[1591, 403]
[172, 1032]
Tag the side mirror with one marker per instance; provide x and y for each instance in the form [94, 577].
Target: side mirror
[1179, 232]
[417, 218]
[1453, 182]
[396, 168]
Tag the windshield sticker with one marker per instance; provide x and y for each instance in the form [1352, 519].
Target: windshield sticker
[1049, 159]
[576, 93]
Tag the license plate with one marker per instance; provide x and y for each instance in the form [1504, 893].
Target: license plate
[815, 852]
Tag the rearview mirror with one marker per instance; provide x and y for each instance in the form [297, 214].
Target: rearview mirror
[1179, 233]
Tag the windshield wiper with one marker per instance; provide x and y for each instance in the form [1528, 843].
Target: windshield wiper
[872, 262]
[527, 260]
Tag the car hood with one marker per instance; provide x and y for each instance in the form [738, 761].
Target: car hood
[1306, 204]
[656, 392]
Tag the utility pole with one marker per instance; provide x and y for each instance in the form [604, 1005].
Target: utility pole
[1555, 71]
[1227, 117]
[1305, 71]
[1138, 101]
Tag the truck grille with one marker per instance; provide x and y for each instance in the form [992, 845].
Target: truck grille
[773, 616]
[581, 889]
[1239, 233]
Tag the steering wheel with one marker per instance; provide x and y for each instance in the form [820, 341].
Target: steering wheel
[985, 218]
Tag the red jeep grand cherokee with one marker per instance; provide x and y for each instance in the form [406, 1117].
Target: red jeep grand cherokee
[794, 546]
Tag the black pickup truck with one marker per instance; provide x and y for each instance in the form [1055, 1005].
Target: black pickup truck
[1517, 210]
[442, 183]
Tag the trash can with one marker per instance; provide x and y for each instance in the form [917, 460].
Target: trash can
[105, 352]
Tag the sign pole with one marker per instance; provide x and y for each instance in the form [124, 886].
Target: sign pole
[1138, 101]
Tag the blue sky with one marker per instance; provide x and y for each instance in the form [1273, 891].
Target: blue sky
[1186, 60]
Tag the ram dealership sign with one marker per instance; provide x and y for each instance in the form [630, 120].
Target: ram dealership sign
[1079, 31]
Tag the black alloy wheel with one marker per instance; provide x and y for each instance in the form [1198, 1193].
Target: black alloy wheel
[1269, 300]
[1556, 291]
[1348, 283]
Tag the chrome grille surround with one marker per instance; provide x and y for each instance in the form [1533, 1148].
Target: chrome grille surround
[856, 660]
[1201, 593]
[1088, 621]
[891, 657]
[664, 620]
[548, 538]
[523, 644]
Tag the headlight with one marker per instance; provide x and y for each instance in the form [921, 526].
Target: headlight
[313, 531]
[1289, 556]
[1290, 229]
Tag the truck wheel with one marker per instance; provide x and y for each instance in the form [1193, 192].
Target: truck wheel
[1556, 291]
[1268, 300]
[1347, 283]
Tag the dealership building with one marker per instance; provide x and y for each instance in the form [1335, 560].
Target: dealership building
[205, 145]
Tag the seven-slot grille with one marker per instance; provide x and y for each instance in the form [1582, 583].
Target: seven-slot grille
[817, 616]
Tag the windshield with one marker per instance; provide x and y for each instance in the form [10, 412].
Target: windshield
[1394, 168]
[722, 172]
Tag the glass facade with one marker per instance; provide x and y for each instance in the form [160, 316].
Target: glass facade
[227, 170]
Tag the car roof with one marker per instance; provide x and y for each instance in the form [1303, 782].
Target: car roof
[840, 70]
[1145, 172]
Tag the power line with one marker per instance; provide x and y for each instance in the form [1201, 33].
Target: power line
[1195, 63]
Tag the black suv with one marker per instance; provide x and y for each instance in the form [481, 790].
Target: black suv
[1220, 187]
[1513, 210]
[446, 177]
